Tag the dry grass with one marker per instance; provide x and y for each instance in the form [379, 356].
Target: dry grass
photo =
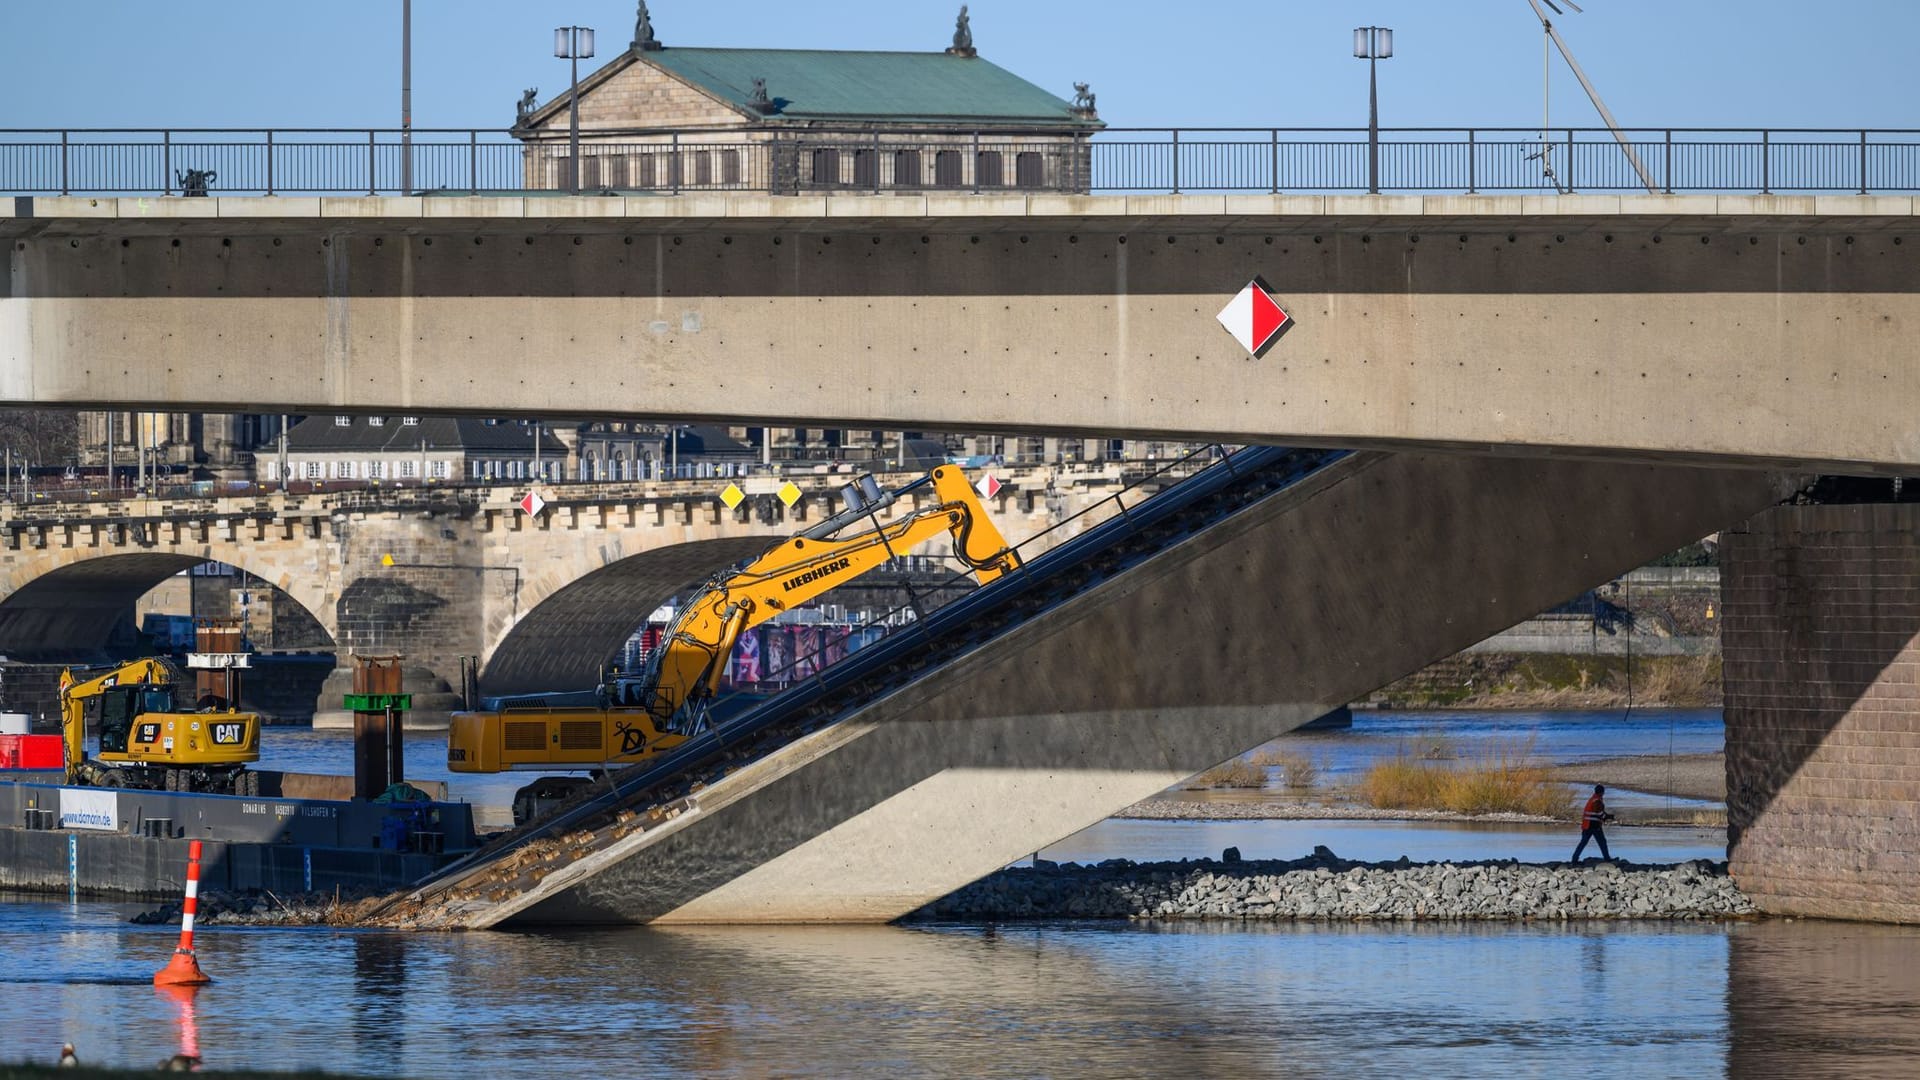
[1504, 779]
[1680, 680]
[1300, 771]
[1238, 772]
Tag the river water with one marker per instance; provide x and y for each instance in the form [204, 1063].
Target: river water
[1616, 999]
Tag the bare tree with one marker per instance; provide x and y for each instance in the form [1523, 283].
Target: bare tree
[45, 436]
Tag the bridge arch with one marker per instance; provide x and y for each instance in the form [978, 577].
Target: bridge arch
[575, 618]
[63, 604]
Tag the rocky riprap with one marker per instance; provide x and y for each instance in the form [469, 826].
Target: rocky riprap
[1327, 887]
[260, 909]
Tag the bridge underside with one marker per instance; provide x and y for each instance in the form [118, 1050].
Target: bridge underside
[563, 641]
[1369, 570]
[1756, 331]
[69, 613]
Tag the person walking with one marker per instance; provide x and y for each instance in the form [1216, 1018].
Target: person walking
[1590, 821]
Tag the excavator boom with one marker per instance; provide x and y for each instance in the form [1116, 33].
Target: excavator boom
[644, 716]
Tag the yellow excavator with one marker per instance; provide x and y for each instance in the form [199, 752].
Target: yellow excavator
[638, 716]
[145, 742]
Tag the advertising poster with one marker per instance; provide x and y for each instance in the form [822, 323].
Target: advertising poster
[833, 644]
[806, 651]
[776, 654]
[746, 658]
[89, 808]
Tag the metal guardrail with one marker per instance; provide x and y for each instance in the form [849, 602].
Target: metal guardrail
[305, 161]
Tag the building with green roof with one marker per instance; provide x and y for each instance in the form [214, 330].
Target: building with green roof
[660, 118]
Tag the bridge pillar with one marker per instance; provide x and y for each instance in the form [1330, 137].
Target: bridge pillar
[416, 585]
[1822, 650]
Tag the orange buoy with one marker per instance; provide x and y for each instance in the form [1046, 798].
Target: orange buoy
[184, 968]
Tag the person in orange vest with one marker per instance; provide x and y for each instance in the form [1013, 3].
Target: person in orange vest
[1590, 820]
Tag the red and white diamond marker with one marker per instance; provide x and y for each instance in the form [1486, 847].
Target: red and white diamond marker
[1253, 318]
[531, 504]
[988, 486]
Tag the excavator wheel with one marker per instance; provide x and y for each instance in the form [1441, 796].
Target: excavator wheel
[170, 781]
[246, 782]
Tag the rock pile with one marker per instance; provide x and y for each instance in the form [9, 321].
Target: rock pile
[254, 908]
[1327, 887]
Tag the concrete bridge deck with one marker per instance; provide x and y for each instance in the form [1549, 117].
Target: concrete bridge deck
[1747, 330]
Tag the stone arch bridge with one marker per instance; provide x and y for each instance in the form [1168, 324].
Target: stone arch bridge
[436, 574]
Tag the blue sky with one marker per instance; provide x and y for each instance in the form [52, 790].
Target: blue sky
[286, 63]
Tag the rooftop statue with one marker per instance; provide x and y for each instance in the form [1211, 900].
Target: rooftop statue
[962, 35]
[643, 38]
[1082, 99]
[526, 106]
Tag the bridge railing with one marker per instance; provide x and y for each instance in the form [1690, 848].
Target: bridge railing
[1114, 160]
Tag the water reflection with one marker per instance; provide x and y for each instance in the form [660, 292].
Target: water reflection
[1810, 999]
[1644, 1000]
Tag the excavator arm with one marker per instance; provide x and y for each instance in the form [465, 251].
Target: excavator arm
[74, 694]
[693, 658]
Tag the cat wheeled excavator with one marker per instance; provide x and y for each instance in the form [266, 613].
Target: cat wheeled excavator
[146, 742]
[652, 711]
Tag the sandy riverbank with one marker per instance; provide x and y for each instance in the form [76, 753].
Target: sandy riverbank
[1683, 776]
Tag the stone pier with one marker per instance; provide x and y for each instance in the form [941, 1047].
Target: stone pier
[1822, 608]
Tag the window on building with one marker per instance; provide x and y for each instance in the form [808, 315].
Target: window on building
[906, 169]
[376, 421]
[730, 168]
[826, 168]
[702, 169]
[675, 164]
[376, 469]
[437, 469]
[343, 421]
[613, 171]
[409, 421]
[313, 470]
[589, 172]
[866, 169]
[644, 175]
[986, 169]
[409, 469]
[946, 169]
[1029, 169]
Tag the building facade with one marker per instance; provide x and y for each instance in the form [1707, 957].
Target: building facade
[417, 450]
[659, 118]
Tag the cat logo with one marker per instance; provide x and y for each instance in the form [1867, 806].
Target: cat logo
[147, 733]
[228, 734]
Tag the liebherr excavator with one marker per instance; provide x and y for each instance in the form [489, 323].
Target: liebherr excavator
[662, 706]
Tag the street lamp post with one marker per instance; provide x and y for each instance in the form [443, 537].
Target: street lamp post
[406, 97]
[574, 44]
[1373, 44]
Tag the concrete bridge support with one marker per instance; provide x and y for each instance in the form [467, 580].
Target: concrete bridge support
[1822, 647]
[1354, 577]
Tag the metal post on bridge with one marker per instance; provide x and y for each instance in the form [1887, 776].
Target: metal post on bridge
[269, 162]
[1472, 165]
[166, 163]
[64, 186]
[371, 190]
[1765, 177]
[1863, 162]
[473, 162]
